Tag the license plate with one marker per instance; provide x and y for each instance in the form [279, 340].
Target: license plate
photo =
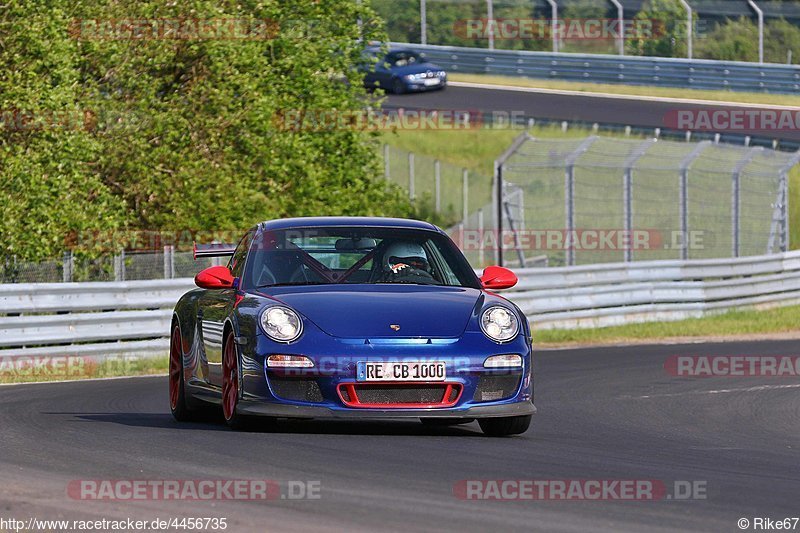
[432, 81]
[401, 371]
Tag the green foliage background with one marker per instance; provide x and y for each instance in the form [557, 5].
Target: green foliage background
[730, 39]
[178, 134]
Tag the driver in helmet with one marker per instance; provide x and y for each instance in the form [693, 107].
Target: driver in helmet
[406, 261]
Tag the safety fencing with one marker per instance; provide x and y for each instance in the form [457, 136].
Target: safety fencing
[602, 200]
[629, 70]
[133, 318]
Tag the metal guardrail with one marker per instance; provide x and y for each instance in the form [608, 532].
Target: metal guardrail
[629, 70]
[133, 318]
[90, 319]
[623, 293]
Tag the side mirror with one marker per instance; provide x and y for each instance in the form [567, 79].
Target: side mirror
[216, 277]
[495, 277]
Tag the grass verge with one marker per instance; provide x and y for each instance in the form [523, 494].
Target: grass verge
[69, 368]
[779, 320]
[632, 90]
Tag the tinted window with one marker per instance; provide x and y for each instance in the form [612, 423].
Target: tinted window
[353, 255]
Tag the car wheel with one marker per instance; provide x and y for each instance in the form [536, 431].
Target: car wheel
[505, 426]
[441, 422]
[398, 87]
[230, 386]
[177, 389]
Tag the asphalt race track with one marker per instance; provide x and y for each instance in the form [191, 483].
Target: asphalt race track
[604, 413]
[614, 110]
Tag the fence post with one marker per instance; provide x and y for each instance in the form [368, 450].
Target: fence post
[411, 192]
[437, 183]
[423, 22]
[569, 197]
[119, 266]
[783, 205]
[465, 195]
[736, 200]
[490, 22]
[169, 262]
[68, 267]
[481, 255]
[627, 194]
[386, 171]
[683, 193]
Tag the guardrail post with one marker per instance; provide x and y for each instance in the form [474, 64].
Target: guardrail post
[736, 199]
[68, 267]
[569, 197]
[437, 185]
[411, 191]
[683, 193]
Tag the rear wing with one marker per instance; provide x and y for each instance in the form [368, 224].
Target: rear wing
[216, 249]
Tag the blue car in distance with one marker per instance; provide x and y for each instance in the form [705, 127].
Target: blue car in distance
[350, 317]
[402, 71]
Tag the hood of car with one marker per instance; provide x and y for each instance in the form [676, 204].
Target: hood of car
[416, 69]
[378, 311]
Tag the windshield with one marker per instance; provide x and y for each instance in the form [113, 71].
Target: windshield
[355, 255]
[403, 59]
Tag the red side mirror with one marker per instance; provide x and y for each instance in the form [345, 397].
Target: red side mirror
[495, 277]
[216, 277]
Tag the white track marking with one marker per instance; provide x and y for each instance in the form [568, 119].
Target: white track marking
[718, 391]
[667, 99]
[82, 380]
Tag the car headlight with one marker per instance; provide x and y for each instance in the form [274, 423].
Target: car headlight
[281, 323]
[499, 323]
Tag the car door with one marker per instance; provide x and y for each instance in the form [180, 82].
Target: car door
[383, 71]
[215, 307]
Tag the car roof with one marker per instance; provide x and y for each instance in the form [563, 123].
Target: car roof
[364, 222]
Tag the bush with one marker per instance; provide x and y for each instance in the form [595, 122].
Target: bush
[175, 134]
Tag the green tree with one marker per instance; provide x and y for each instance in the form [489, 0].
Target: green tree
[182, 133]
[734, 40]
[668, 38]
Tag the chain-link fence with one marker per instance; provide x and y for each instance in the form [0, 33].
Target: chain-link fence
[599, 199]
[124, 266]
[442, 192]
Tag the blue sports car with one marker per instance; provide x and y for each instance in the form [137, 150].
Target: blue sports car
[401, 71]
[350, 317]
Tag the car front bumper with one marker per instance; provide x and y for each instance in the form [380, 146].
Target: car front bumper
[285, 410]
[471, 390]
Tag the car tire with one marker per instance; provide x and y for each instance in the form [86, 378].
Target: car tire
[505, 426]
[444, 422]
[230, 386]
[398, 87]
[177, 388]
